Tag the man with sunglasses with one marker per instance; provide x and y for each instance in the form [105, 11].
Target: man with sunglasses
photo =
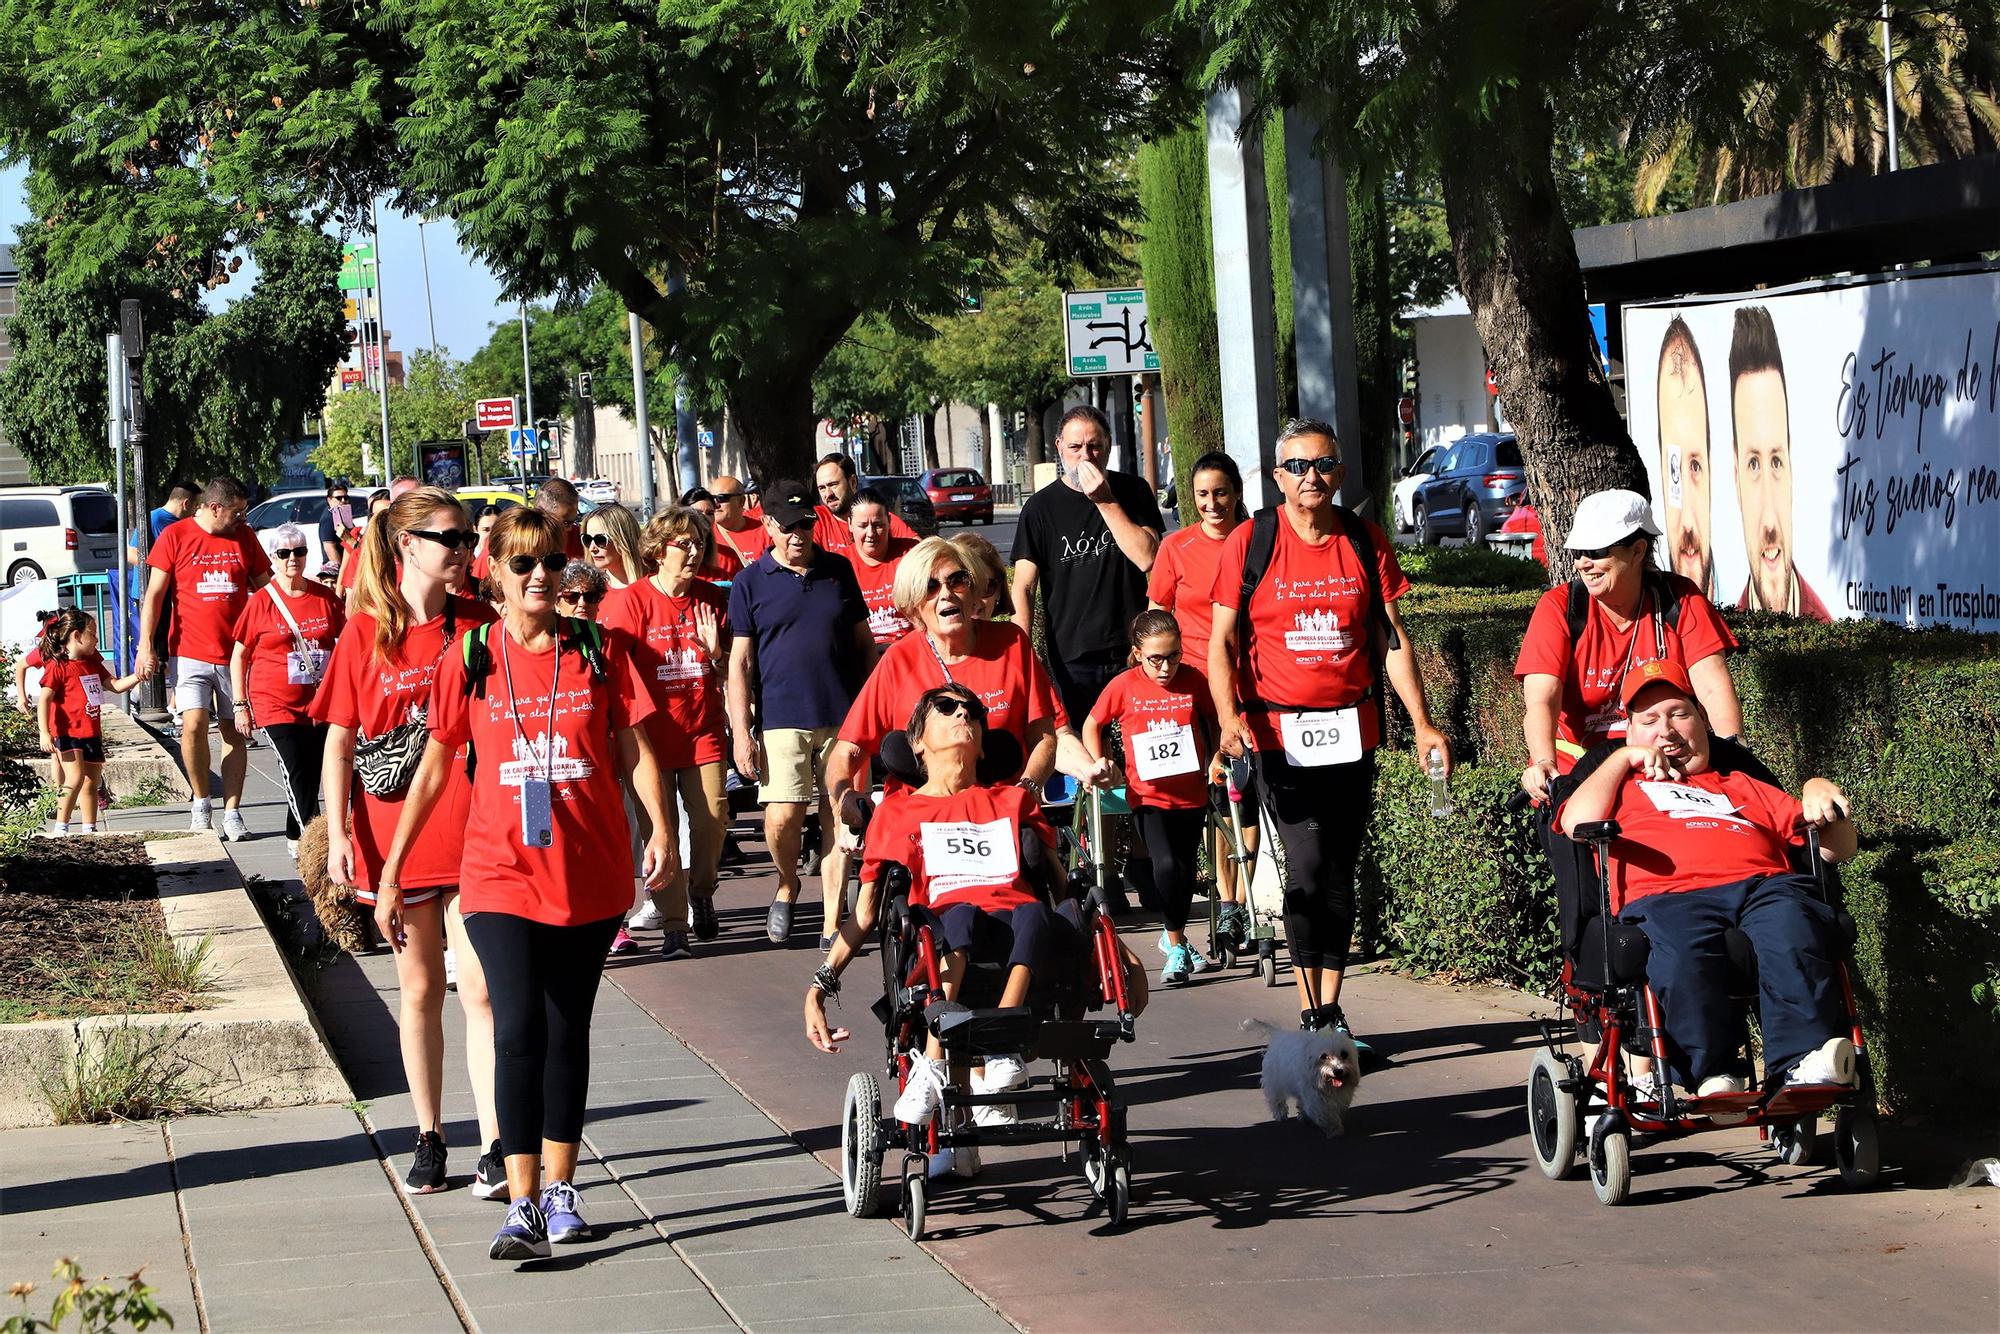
[559, 500]
[801, 649]
[735, 527]
[1087, 544]
[209, 564]
[338, 533]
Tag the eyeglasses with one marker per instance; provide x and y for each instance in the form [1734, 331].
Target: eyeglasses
[336, 500]
[553, 562]
[802, 528]
[1599, 553]
[720, 496]
[451, 539]
[291, 553]
[1158, 660]
[597, 539]
[947, 706]
[958, 581]
[579, 598]
[1324, 465]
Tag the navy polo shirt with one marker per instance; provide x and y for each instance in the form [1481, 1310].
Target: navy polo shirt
[802, 626]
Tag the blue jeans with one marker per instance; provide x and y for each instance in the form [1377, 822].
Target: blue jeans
[1799, 1004]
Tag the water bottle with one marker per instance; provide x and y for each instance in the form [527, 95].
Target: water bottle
[1440, 786]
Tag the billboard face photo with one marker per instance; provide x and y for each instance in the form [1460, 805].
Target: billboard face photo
[1828, 453]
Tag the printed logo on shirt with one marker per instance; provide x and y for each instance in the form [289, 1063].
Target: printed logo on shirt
[536, 756]
[1317, 632]
[1680, 801]
[216, 584]
[681, 665]
[1083, 546]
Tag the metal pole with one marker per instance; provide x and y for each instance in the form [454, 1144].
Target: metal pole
[527, 371]
[382, 344]
[1889, 87]
[121, 594]
[647, 498]
[684, 426]
[430, 313]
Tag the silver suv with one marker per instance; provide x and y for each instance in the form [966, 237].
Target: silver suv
[47, 532]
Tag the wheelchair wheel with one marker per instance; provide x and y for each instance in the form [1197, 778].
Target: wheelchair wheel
[914, 1185]
[1552, 1117]
[1118, 1189]
[1857, 1148]
[1611, 1167]
[1797, 1142]
[1267, 964]
[861, 1147]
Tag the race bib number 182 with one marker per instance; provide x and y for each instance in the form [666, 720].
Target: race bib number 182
[1162, 752]
[1316, 740]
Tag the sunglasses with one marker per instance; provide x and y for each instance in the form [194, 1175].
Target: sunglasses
[597, 539]
[451, 539]
[958, 581]
[947, 706]
[1324, 465]
[553, 562]
[291, 553]
[1599, 553]
[803, 526]
[580, 598]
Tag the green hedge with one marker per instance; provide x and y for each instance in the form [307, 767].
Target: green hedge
[1908, 722]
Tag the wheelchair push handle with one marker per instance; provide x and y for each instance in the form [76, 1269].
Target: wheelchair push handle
[1599, 832]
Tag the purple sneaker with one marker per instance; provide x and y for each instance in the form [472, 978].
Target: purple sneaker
[524, 1236]
[564, 1214]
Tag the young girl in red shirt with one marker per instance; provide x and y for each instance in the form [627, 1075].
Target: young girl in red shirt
[70, 705]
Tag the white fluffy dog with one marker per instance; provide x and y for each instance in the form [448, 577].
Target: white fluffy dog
[1318, 1072]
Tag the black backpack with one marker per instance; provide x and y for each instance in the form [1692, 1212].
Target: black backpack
[1382, 636]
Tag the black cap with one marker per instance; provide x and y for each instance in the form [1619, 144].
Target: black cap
[790, 503]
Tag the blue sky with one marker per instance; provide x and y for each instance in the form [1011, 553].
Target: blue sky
[464, 293]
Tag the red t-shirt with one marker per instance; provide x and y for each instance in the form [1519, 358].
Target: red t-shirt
[1166, 749]
[748, 543]
[1309, 625]
[831, 533]
[79, 685]
[279, 684]
[1183, 581]
[1697, 832]
[1002, 668]
[371, 695]
[211, 575]
[723, 566]
[481, 563]
[1590, 714]
[689, 718]
[585, 875]
[964, 848]
[878, 587]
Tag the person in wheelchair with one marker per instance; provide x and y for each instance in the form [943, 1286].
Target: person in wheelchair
[1699, 851]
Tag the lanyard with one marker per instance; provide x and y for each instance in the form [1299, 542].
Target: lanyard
[514, 705]
[930, 644]
[1632, 643]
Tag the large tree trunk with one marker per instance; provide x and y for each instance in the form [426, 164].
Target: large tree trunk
[1034, 447]
[1374, 339]
[775, 414]
[1517, 267]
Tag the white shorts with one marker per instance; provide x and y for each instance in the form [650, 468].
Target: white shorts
[203, 685]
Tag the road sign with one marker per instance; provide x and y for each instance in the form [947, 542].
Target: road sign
[355, 262]
[496, 414]
[352, 379]
[706, 439]
[1108, 333]
[524, 442]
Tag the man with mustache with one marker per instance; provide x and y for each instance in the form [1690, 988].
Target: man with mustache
[1684, 439]
[1761, 419]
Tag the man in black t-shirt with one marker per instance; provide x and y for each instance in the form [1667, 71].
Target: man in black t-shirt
[1088, 543]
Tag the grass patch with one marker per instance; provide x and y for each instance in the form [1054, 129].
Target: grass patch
[128, 1073]
[152, 791]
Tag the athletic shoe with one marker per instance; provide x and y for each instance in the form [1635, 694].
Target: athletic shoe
[1236, 923]
[622, 943]
[648, 918]
[58, 828]
[959, 1161]
[564, 1214]
[1005, 1072]
[1197, 961]
[991, 1114]
[1175, 970]
[86, 829]
[778, 922]
[1646, 1087]
[450, 969]
[1721, 1084]
[524, 1236]
[427, 1175]
[1833, 1063]
[200, 814]
[706, 925]
[233, 827]
[292, 848]
[489, 1181]
[923, 1092]
[675, 946]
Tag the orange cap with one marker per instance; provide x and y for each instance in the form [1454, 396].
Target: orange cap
[1658, 671]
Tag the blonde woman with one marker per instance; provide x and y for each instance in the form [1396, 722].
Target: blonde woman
[612, 543]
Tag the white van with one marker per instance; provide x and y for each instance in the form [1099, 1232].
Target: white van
[47, 532]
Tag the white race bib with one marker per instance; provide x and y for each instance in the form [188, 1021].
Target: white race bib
[1681, 801]
[959, 854]
[93, 692]
[1163, 751]
[304, 668]
[1316, 740]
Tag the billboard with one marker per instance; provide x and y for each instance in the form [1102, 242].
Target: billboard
[1830, 451]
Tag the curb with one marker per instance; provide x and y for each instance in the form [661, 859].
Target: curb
[257, 1044]
[134, 756]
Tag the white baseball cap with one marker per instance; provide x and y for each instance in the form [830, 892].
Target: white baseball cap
[1608, 518]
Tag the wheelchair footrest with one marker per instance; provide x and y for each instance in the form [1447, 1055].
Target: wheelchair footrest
[968, 1032]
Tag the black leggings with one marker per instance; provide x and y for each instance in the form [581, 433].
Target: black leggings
[1173, 839]
[1318, 816]
[543, 981]
[299, 747]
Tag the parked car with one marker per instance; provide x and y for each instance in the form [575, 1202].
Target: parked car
[304, 508]
[600, 491]
[477, 499]
[958, 494]
[1407, 482]
[1478, 482]
[1521, 535]
[47, 532]
[908, 499]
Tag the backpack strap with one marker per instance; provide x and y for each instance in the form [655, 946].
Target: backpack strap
[587, 638]
[1382, 636]
[476, 649]
[1576, 611]
[1256, 563]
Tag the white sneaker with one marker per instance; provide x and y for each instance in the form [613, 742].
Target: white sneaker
[450, 969]
[1718, 1084]
[1004, 1073]
[962, 1162]
[200, 814]
[648, 918]
[923, 1094]
[1833, 1063]
[990, 1114]
[1646, 1087]
[233, 827]
[292, 848]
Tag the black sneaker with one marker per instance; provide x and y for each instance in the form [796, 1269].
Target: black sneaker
[489, 1182]
[706, 926]
[427, 1169]
[674, 945]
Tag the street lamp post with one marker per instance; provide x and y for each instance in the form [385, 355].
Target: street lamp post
[381, 344]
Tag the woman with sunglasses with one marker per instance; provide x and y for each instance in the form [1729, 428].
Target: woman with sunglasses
[678, 627]
[989, 575]
[284, 635]
[1298, 675]
[375, 699]
[611, 543]
[553, 713]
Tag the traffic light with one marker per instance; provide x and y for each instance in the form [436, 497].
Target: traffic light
[583, 384]
[974, 302]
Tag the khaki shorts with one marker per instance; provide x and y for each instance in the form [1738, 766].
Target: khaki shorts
[205, 686]
[794, 758]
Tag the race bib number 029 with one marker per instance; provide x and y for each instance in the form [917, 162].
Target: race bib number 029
[960, 853]
[1316, 740]
[1162, 752]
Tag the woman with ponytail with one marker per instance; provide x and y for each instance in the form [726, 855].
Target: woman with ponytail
[375, 701]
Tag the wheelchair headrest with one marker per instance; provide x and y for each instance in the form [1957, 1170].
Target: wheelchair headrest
[1000, 761]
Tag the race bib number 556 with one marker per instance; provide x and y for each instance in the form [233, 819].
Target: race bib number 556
[962, 853]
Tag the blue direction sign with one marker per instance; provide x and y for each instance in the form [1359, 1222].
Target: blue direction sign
[707, 439]
[523, 441]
